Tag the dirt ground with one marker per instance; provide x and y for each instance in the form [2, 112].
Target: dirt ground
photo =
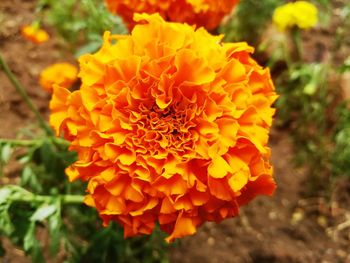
[284, 228]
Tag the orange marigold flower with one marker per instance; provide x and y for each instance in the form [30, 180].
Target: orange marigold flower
[34, 34]
[170, 125]
[206, 13]
[62, 74]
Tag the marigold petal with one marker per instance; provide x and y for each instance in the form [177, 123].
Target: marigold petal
[219, 167]
[191, 69]
[183, 227]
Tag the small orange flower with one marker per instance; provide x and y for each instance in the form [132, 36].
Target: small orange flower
[206, 13]
[62, 74]
[170, 125]
[34, 34]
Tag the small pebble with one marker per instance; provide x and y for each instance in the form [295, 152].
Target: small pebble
[211, 241]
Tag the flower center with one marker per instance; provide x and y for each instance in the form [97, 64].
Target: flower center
[160, 131]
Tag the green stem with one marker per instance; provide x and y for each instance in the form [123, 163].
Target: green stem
[65, 199]
[15, 142]
[72, 199]
[19, 88]
[60, 141]
[296, 38]
[19, 142]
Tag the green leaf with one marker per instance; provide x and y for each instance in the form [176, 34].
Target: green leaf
[6, 152]
[24, 159]
[5, 192]
[29, 238]
[55, 224]
[47, 154]
[310, 89]
[88, 48]
[6, 226]
[30, 179]
[43, 212]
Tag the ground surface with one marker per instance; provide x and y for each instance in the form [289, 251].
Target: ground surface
[284, 228]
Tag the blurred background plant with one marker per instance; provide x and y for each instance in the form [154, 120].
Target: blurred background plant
[79, 23]
[341, 153]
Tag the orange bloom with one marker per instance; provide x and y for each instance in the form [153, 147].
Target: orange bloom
[170, 125]
[206, 13]
[62, 74]
[34, 34]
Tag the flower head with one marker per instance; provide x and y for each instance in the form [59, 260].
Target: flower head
[206, 13]
[62, 74]
[300, 13]
[170, 126]
[34, 34]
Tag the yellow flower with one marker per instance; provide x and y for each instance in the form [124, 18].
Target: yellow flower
[62, 74]
[300, 13]
[34, 34]
[171, 127]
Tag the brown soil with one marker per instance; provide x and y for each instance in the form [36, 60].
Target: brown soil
[284, 228]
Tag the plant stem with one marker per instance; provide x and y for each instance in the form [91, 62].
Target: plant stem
[296, 38]
[19, 88]
[25, 143]
[19, 142]
[32, 198]
[60, 141]
[72, 199]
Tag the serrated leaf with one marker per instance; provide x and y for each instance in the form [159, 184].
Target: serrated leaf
[43, 212]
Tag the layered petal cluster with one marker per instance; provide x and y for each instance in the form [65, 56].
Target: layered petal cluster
[63, 74]
[206, 13]
[301, 14]
[34, 34]
[171, 127]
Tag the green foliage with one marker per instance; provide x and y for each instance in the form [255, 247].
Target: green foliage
[80, 23]
[346, 66]
[303, 107]
[304, 95]
[341, 152]
[139, 249]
